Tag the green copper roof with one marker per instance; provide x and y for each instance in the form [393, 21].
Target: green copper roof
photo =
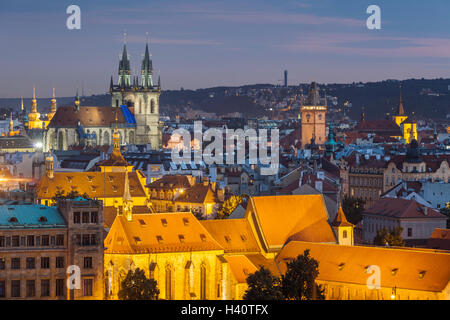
[30, 216]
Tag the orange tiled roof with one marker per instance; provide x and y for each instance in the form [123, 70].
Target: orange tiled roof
[399, 268]
[439, 239]
[162, 232]
[340, 220]
[281, 217]
[95, 184]
[109, 214]
[234, 235]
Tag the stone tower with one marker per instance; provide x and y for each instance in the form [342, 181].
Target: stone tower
[313, 117]
[141, 98]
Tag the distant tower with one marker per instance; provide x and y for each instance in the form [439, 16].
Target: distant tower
[52, 112]
[34, 117]
[285, 78]
[313, 117]
[142, 98]
[400, 116]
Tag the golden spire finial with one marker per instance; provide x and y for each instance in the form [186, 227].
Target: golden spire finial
[53, 96]
[21, 103]
[34, 91]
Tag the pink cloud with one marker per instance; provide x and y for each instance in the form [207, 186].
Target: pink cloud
[347, 44]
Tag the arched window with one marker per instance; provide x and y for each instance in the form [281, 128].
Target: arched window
[203, 282]
[152, 106]
[106, 138]
[168, 282]
[60, 141]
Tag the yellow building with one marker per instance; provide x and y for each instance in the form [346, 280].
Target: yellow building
[110, 182]
[409, 128]
[313, 118]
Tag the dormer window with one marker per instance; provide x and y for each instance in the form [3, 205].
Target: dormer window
[13, 220]
[159, 239]
[164, 222]
[186, 221]
[203, 237]
[42, 219]
[90, 178]
[181, 237]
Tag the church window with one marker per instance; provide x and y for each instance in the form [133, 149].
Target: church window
[152, 106]
[168, 283]
[203, 282]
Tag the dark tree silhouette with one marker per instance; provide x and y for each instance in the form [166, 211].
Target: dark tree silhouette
[298, 283]
[262, 285]
[136, 286]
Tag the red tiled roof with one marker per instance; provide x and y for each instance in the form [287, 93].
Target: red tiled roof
[402, 208]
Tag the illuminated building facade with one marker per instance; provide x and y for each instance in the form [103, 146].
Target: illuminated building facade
[313, 115]
[409, 128]
[38, 243]
[135, 104]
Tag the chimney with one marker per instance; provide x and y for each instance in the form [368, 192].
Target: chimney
[49, 167]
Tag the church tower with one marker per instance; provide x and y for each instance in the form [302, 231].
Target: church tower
[400, 116]
[52, 112]
[140, 97]
[313, 117]
[343, 229]
[34, 117]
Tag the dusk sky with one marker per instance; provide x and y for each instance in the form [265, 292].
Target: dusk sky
[198, 44]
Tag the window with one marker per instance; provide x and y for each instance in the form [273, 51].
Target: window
[203, 282]
[88, 262]
[344, 234]
[76, 217]
[85, 217]
[15, 288]
[45, 263]
[409, 232]
[59, 286]
[93, 239]
[2, 263]
[15, 241]
[31, 263]
[30, 241]
[15, 263]
[59, 239]
[168, 283]
[86, 239]
[59, 262]
[45, 240]
[2, 241]
[87, 287]
[2, 288]
[45, 288]
[31, 288]
[94, 217]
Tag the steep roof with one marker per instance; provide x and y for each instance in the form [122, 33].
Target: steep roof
[402, 208]
[340, 220]
[198, 193]
[234, 235]
[354, 260]
[162, 232]
[95, 184]
[280, 217]
[89, 116]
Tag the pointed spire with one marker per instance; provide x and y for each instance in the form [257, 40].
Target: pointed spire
[34, 101]
[147, 67]
[363, 115]
[401, 110]
[53, 102]
[111, 85]
[340, 220]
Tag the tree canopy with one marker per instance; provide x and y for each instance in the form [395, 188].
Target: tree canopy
[391, 238]
[262, 285]
[136, 286]
[353, 208]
